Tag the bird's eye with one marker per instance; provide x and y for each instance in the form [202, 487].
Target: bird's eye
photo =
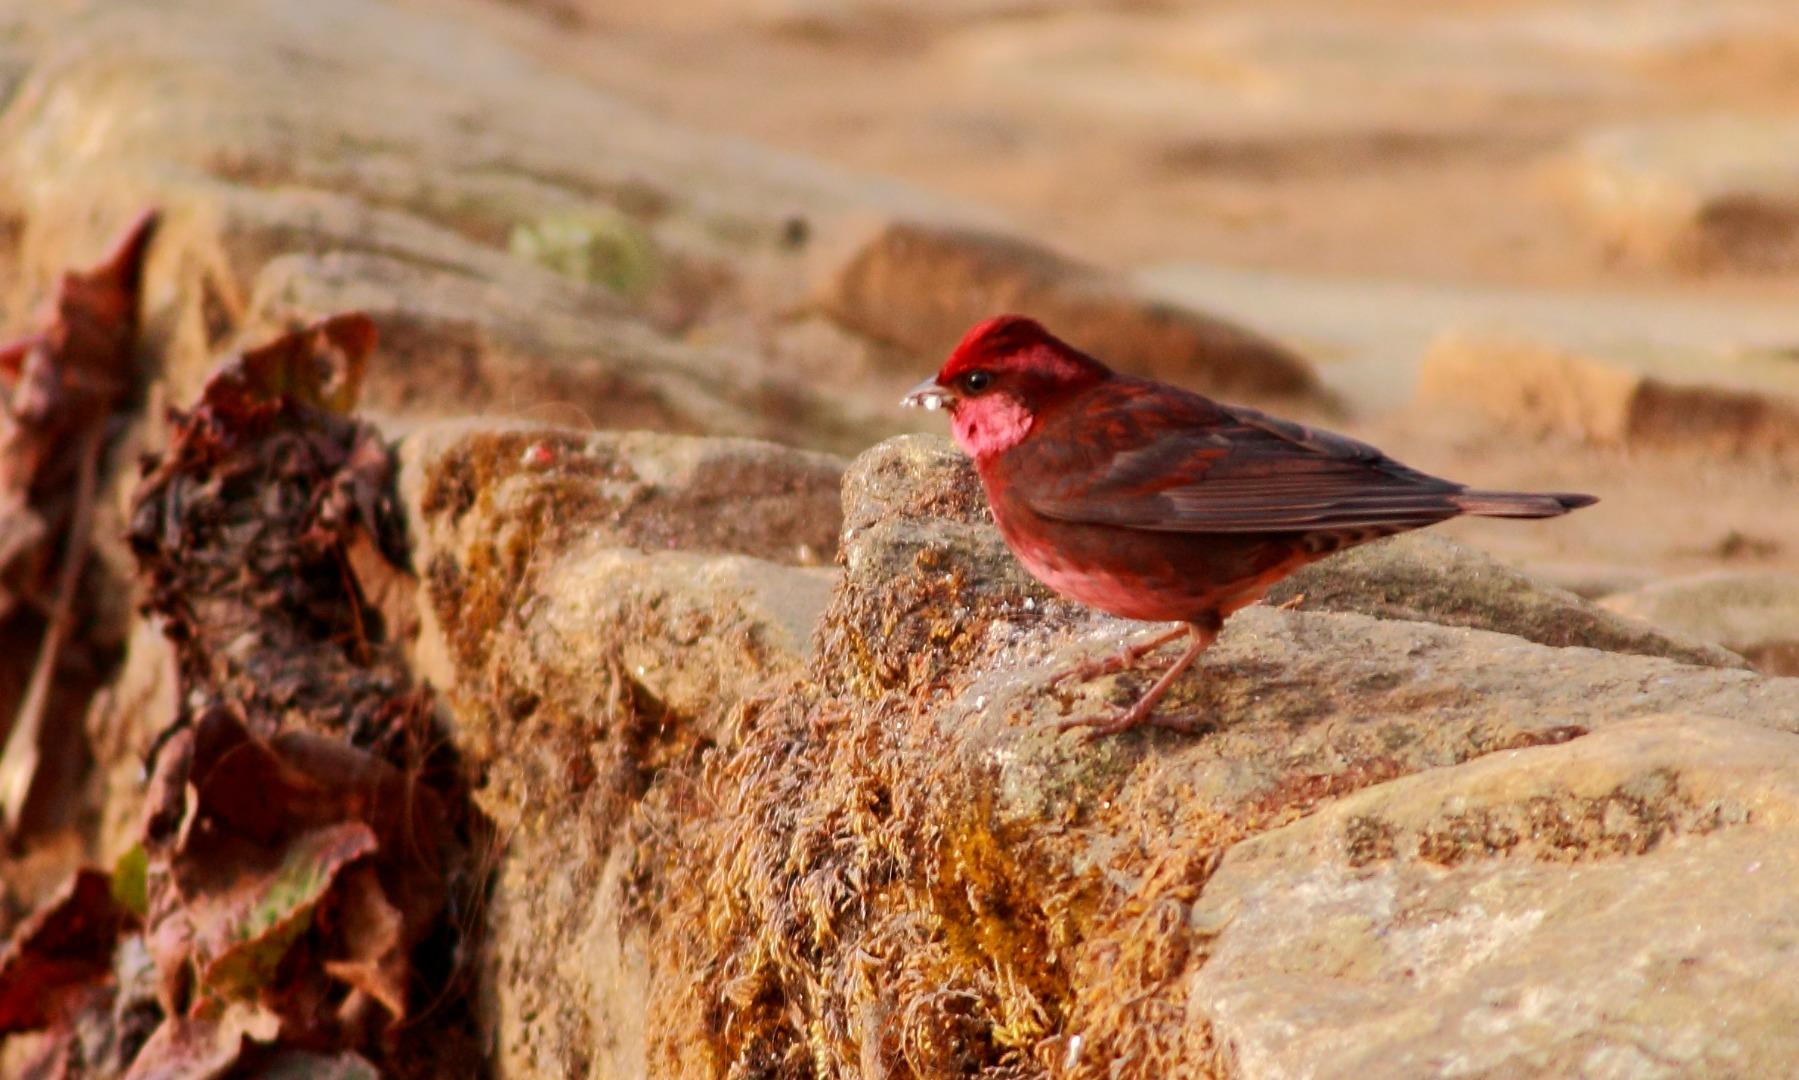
[976, 381]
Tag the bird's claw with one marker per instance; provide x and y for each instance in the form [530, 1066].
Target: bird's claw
[1131, 656]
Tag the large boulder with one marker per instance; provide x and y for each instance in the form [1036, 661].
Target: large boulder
[1421, 577]
[596, 606]
[904, 865]
[922, 286]
[1556, 911]
[1611, 401]
[1702, 193]
[1755, 613]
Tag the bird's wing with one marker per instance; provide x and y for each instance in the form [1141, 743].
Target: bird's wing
[1145, 460]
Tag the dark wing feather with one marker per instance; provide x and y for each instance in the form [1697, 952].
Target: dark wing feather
[1150, 457]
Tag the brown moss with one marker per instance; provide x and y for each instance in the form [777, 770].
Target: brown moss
[929, 623]
[473, 590]
[840, 900]
[1630, 820]
[1367, 839]
[833, 912]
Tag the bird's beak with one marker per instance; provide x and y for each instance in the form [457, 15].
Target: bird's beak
[928, 395]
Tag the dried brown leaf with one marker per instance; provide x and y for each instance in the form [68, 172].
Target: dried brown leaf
[242, 934]
[75, 371]
[320, 366]
[60, 389]
[385, 590]
[61, 951]
[200, 1048]
[372, 936]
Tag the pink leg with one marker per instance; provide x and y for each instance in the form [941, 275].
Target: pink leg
[1119, 661]
[1143, 712]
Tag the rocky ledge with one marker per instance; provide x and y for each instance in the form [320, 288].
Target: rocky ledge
[1414, 836]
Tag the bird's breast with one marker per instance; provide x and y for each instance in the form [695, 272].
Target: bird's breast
[1139, 574]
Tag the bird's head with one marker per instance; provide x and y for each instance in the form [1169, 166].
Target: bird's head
[1005, 372]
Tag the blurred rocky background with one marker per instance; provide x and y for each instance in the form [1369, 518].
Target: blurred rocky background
[728, 706]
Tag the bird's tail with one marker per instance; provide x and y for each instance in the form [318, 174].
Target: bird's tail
[1520, 504]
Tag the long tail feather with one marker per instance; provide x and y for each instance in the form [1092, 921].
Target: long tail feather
[1520, 504]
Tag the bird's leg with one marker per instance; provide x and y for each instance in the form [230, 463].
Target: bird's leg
[1143, 712]
[1124, 658]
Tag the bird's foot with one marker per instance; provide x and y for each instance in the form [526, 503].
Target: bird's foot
[1128, 657]
[1144, 711]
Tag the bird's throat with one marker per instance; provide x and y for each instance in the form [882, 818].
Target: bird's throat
[990, 425]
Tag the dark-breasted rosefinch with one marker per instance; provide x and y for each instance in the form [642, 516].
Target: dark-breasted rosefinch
[1150, 502]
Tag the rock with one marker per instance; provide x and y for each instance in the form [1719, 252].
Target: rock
[1752, 613]
[1550, 911]
[1542, 390]
[903, 865]
[597, 606]
[543, 349]
[1705, 193]
[633, 489]
[921, 287]
[1369, 333]
[622, 665]
[528, 535]
[1419, 577]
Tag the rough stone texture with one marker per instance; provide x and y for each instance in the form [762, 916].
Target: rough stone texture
[909, 499]
[922, 286]
[906, 866]
[1705, 193]
[1611, 907]
[1543, 390]
[596, 605]
[1419, 577]
[549, 554]
[540, 349]
[1755, 614]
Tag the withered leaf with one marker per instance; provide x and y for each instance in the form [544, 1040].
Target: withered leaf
[60, 387]
[58, 953]
[385, 590]
[201, 1048]
[372, 935]
[306, 820]
[321, 366]
[242, 934]
[271, 831]
[75, 370]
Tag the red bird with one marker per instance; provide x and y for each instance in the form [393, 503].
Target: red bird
[1150, 502]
